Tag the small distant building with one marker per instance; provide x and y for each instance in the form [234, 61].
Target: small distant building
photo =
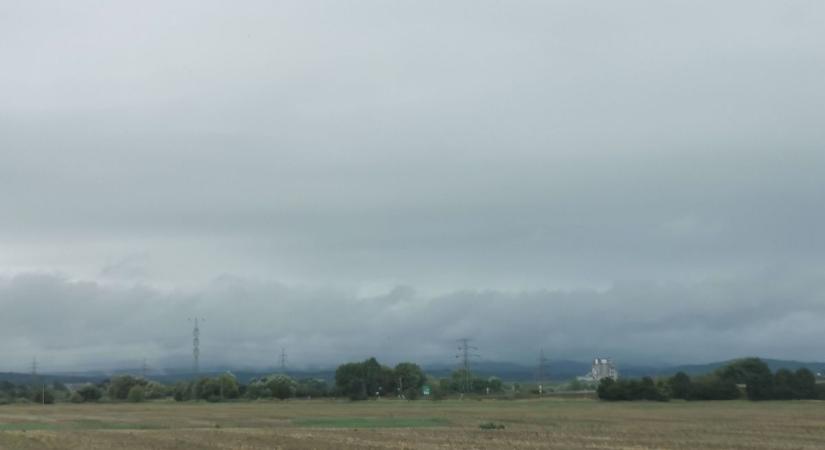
[603, 368]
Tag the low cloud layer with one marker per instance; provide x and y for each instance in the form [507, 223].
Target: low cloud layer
[554, 173]
[75, 324]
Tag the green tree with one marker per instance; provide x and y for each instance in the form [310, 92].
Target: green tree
[495, 384]
[228, 386]
[713, 387]
[208, 389]
[182, 391]
[575, 385]
[461, 381]
[367, 378]
[630, 389]
[610, 390]
[41, 395]
[784, 384]
[804, 384]
[136, 394]
[311, 387]
[754, 374]
[257, 389]
[155, 390]
[680, 386]
[281, 386]
[409, 377]
[90, 393]
[119, 386]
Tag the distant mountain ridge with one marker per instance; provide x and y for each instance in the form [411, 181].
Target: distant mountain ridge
[559, 370]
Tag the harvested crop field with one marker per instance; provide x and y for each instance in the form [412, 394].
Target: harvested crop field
[548, 423]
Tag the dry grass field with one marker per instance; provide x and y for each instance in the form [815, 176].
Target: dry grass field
[549, 423]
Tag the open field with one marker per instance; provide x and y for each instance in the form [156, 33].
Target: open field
[549, 423]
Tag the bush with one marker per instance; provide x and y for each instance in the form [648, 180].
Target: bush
[154, 390]
[205, 388]
[412, 393]
[89, 393]
[679, 386]
[310, 387]
[182, 392]
[713, 387]
[367, 378]
[281, 386]
[137, 394]
[76, 398]
[120, 386]
[819, 391]
[43, 396]
[357, 390]
[228, 386]
[797, 385]
[753, 373]
[644, 389]
[256, 390]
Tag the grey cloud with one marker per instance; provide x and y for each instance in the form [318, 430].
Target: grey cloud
[469, 149]
[76, 324]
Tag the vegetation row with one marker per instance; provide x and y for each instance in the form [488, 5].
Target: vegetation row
[748, 378]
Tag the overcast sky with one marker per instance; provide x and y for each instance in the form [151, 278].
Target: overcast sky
[638, 179]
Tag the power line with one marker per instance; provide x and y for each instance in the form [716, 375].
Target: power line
[465, 353]
[196, 344]
[34, 381]
[542, 372]
[282, 360]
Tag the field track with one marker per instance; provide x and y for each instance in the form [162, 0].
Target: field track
[321, 424]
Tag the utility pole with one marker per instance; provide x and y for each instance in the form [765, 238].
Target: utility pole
[542, 373]
[465, 352]
[282, 360]
[196, 344]
[35, 379]
[144, 369]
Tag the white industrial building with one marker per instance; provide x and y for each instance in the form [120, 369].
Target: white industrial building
[603, 368]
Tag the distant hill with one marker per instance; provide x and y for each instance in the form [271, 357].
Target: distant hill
[560, 370]
[25, 378]
[557, 370]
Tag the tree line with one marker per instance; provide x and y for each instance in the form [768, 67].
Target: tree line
[354, 380]
[747, 378]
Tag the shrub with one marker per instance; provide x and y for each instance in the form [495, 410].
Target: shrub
[89, 393]
[43, 396]
[311, 387]
[120, 386]
[281, 386]
[679, 386]
[644, 389]
[182, 391]
[137, 394]
[257, 389]
[154, 390]
[753, 373]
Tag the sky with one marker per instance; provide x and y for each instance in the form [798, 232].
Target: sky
[642, 180]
